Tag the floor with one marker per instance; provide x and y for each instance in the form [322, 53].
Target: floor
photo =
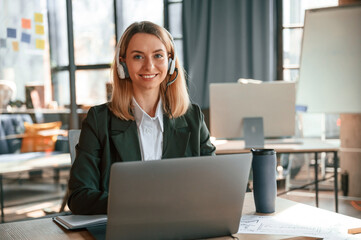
[347, 205]
[32, 196]
[37, 195]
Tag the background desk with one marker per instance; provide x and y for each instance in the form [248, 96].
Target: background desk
[14, 163]
[315, 146]
[46, 229]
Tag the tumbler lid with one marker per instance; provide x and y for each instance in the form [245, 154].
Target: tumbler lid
[263, 151]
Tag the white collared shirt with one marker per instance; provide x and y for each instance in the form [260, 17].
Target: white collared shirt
[150, 131]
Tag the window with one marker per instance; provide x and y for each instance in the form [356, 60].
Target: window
[84, 59]
[292, 30]
[24, 45]
[94, 42]
[130, 11]
[94, 32]
[97, 26]
[174, 24]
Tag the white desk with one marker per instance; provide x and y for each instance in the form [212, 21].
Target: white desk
[291, 211]
[15, 163]
[314, 146]
[307, 146]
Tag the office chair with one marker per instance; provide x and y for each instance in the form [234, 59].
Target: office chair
[73, 136]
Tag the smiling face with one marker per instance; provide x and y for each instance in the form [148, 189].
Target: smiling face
[147, 63]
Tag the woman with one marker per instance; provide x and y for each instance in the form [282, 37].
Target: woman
[149, 117]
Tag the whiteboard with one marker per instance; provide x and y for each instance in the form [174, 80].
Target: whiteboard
[330, 66]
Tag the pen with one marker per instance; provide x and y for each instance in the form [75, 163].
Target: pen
[354, 230]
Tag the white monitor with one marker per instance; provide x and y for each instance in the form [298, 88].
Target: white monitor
[230, 103]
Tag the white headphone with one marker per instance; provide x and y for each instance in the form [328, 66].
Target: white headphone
[123, 70]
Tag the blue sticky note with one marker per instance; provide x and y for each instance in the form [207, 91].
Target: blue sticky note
[2, 43]
[25, 37]
[11, 32]
[301, 108]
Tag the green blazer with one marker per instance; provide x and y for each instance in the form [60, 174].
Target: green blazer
[106, 139]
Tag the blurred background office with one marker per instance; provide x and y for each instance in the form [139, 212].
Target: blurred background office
[55, 59]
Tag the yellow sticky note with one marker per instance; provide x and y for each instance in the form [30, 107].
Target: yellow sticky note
[39, 29]
[40, 44]
[15, 46]
[38, 17]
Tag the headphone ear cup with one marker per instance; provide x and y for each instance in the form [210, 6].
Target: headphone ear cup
[171, 66]
[122, 70]
[125, 68]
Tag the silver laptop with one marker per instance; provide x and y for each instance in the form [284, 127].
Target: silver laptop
[180, 198]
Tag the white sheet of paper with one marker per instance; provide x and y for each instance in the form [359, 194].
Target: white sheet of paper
[253, 224]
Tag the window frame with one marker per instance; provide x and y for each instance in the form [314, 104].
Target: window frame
[281, 67]
[71, 68]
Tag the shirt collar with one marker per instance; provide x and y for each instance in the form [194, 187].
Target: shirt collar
[140, 114]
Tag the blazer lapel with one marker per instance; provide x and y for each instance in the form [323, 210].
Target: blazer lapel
[175, 137]
[125, 139]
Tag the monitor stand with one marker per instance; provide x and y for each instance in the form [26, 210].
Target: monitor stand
[253, 132]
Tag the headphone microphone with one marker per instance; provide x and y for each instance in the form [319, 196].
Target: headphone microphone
[172, 81]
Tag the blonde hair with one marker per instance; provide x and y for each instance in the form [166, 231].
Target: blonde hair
[175, 102]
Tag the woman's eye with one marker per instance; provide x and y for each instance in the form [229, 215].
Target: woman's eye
[137, 57]
[158, 56]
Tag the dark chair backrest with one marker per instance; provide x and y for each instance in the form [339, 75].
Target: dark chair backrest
[73, 136]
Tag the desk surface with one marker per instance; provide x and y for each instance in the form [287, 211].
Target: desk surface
[13, 163]
[307, 145]
[47, 229]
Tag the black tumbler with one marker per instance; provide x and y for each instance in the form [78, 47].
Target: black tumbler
[264, 179]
